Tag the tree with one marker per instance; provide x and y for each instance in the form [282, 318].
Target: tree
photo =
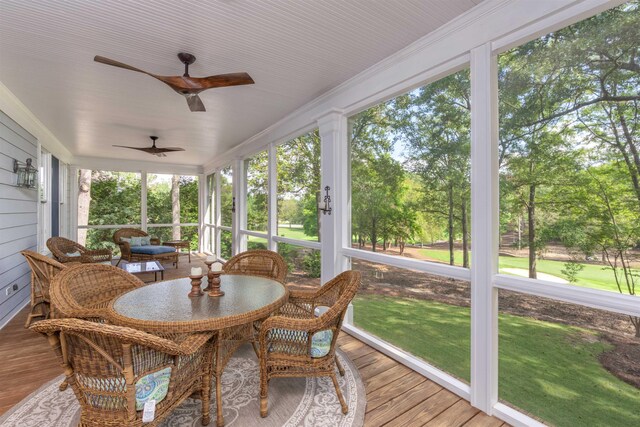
[299, 177]
[84, 200]
[437, 130]
[175, 207]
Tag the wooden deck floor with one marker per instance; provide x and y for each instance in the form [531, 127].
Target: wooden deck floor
[396, 395]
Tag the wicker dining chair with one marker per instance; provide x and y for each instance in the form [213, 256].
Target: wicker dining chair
[62, 249]
[85, 290]
[43, 269]
[258, 262]
[112, 370]
[296, 343]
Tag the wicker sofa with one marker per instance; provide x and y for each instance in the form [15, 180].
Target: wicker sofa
[152, 251]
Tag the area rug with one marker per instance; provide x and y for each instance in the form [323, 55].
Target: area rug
[292, 401]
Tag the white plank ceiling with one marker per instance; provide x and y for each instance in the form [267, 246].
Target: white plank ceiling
[295, 50]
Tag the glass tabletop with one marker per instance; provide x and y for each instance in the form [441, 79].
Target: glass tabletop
[142, 267]
[165, 306]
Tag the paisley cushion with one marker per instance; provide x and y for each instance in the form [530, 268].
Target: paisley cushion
[152, 386]
[321, 343]
[145, 241]
[136, 241]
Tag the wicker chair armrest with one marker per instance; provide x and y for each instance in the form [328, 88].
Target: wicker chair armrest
[300, 295]
[124, 334]
[155, 241]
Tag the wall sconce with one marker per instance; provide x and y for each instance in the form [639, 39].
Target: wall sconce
[325, 206]
[233, 205]
[27, 174]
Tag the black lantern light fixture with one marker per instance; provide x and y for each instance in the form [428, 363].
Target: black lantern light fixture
[325, 205]
[233, 205]
[27, 174]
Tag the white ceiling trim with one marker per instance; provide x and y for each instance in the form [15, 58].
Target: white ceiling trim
[129, 165]
[12, 107]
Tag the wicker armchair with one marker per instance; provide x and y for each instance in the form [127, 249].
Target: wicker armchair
[262, 263]
[128, 255]
[103, 365]
[258, 262]
[287, 339]
[85, 291]
[60, 247]
[43, 269]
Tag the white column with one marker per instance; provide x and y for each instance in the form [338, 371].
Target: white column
[239, 217]
[143, 201]
[217, 213]
[333, 164]
[202, 208]
[272, 182]
[484, 228]
[73, 202]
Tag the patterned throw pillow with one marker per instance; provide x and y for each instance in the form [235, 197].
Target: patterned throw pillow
[136, 241]
[321, 343]
[126, 239]
[146, 240]
[152, 386]
[73, 254]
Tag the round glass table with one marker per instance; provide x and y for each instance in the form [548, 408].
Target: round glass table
[165, 306]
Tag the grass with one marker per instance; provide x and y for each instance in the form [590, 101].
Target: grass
[591, 276]
[295, 233]
[548, 369]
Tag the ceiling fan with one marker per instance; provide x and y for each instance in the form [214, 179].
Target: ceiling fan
[186, 85]
[156, 151]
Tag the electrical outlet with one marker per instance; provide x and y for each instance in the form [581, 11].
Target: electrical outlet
[10, 290]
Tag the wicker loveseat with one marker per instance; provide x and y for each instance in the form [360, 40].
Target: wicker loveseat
[152, 251]
[65, 250]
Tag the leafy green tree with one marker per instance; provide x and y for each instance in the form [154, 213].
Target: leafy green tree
[298, 163]
[436, 126]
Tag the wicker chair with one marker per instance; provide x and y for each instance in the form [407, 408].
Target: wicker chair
[286, 338]
[60, 247]
[258, 262]
[125, 247]
[85, 291]
[43, 269]
[103, 363]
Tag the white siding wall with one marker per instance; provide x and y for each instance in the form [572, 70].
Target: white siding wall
[18, 217]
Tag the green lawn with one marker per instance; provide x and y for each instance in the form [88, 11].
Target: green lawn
[295, 233]
[592, 276]
[548, 369]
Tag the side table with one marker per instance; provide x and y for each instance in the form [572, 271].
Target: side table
[178, 244]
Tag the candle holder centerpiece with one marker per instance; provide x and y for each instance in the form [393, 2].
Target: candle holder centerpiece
[196, 281]
[209, 261]
[214, 280]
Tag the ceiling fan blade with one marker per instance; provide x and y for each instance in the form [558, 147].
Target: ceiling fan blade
[107, 61]
[133, 148]
[194, 102]
[222, 80]
[170, 149]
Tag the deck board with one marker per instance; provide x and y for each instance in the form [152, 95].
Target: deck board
[396, 395]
